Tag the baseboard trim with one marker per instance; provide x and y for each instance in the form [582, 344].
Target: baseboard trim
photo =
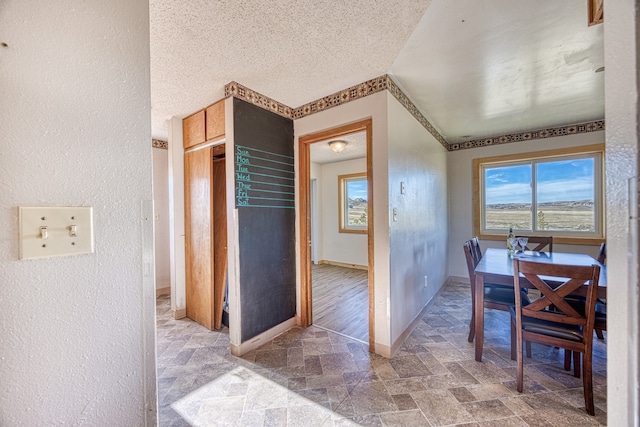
[382, 350]
[344, 264]
[409, 329]
[179, 314]
[261, 339]
[458, 279]
[163, 291]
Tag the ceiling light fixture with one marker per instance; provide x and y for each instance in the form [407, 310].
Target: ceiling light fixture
[337, 145]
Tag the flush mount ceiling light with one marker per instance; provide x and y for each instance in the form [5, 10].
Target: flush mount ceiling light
[337, 145]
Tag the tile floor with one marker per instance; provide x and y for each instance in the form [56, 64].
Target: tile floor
[316, 378]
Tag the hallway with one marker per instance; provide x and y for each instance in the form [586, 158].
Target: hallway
[341, 300]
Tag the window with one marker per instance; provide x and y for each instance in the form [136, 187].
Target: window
[352, 193]
[557, 192]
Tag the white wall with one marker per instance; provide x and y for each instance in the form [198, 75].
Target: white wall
[348, 248]
[176, 219]
[621, 112]
[315, 173]
[418, 238]
[161, 216]
[77, 331]
[416, 244]
[374, 107]
[460, 179]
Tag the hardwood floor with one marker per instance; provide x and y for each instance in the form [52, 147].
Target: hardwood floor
[340, 300]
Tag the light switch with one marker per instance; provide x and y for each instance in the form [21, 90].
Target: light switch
[55, 231]
[402, 188]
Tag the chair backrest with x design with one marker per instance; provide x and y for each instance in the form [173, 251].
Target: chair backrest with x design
[565, 280]
[539, 243]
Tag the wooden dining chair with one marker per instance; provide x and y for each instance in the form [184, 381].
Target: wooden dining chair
[561, 326]
[497, 297]
[539, 243]
[601, 305]
[602, 254]
[476, 251]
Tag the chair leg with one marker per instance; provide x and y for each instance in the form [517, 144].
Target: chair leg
[576, 364]
[472, 325]
[528, 348]
[520, 371]
[472, 329]
[599, 334]
[587, 383]
[567, 360]
[513, 341]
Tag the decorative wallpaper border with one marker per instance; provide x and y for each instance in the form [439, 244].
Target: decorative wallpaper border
[342, 97]
[242, 92]
[411, 108]
[530, 135]
[160, 144]
[385, 82]
[358, 91]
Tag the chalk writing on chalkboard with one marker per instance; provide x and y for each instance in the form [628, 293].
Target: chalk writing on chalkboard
[263, 179]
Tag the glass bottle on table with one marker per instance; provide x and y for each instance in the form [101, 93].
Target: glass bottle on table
[511, 242]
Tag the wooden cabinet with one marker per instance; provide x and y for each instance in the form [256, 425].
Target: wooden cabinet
[205, 234]
[214, 118]
[198, 168]
[205, 125]
[193, 129]
[205, 215]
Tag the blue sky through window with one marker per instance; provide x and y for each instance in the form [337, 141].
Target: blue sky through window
[508, 184]
[557, 181]
[357, 189]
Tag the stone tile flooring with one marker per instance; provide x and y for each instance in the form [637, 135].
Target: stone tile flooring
[316, 378]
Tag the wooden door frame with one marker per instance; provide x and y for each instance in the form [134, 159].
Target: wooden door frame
[304, 166]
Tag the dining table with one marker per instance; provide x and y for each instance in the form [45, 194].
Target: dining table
[496, 266]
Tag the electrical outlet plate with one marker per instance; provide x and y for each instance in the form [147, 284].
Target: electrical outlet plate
[55, 231]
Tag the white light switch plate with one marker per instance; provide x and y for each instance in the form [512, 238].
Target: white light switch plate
[57, 239]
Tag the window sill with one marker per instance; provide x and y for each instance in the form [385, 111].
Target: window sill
[556, 240]
[353, 231]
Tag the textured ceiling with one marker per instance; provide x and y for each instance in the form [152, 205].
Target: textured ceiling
[292, 51]
[474, 68]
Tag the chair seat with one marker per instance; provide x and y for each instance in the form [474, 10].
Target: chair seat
[500, 294]
[551, 329]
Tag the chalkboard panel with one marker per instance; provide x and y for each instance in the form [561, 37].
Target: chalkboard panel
[263, 179]
[264, 183]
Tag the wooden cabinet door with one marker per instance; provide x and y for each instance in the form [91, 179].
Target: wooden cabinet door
[193, 129]
[215, 120]
[219, 235]
[198, 168]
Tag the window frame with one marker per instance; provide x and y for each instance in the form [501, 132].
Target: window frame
[596, 150]
[343, 226]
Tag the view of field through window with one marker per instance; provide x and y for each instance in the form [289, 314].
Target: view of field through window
[564, 196]
[356, 194]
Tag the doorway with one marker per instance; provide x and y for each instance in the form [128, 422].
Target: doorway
[305, 145]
